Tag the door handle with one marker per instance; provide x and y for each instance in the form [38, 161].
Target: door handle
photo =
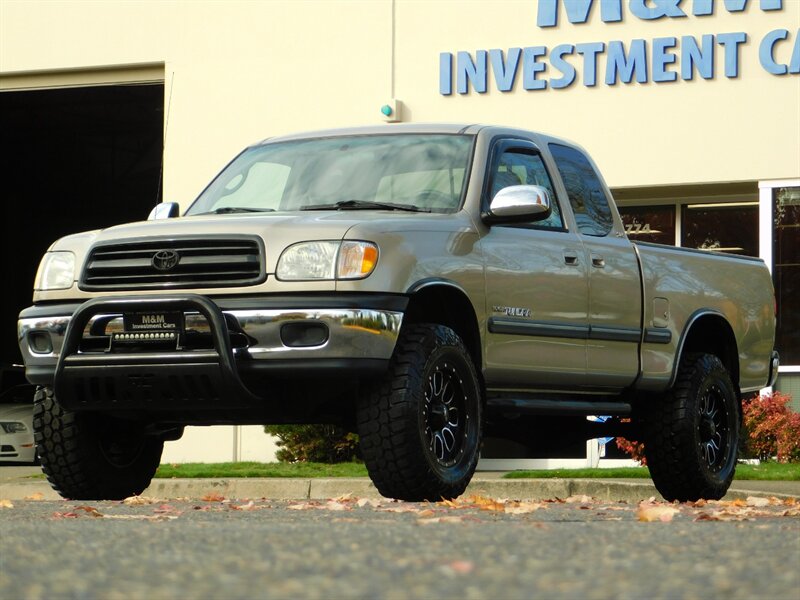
[598, 261]
[571, 257]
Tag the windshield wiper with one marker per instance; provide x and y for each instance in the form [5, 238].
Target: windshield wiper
[364, 205]
[235, 209]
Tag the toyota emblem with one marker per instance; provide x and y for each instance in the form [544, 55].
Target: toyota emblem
[164, 260]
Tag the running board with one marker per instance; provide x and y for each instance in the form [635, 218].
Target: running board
[539, 406]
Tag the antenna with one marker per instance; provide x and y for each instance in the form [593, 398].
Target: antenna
[164, 141]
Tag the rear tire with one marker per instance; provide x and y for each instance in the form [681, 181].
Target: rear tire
[692, 434]
[87, 456]
[420, 427]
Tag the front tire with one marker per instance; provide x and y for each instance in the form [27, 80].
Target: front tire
[420, 427]
[692, 434]
[87, 456]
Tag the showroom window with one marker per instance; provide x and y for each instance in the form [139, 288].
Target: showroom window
[786, 271]
[731, 227]
[650, 223]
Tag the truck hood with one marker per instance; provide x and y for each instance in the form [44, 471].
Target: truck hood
[278, 231]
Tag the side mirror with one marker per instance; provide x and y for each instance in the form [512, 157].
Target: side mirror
[519, 203]
[165, 210]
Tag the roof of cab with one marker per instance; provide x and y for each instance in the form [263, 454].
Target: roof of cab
[401, 128]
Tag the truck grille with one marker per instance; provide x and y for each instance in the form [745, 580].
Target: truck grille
[174, 263]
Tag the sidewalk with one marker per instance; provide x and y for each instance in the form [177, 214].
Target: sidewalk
[16, 484]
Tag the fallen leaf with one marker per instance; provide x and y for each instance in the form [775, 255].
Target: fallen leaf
[249, 506]
[757, 502]
[790, 501]
[301, 506]
[212, 497]
[656, 512]
[791, 512]
[343, 498]
[462, 566]
[362, 502]
[66, 515]
[704, 516]
[698, 503]
[34, 497]
[6, 503]
[427, 513]
[138, 500]
[91, 510]
[335, 505]
[579, 499]
[167, 509]
[522, 508]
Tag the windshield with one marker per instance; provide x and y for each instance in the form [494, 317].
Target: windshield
[400, 171]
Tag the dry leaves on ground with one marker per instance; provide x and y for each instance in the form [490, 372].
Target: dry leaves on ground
[656, 512]
[213, 497]
[6, 503]
[513, 507]
[139, 500]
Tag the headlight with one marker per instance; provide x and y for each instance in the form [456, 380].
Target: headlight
[56, 271]
[327, 260]
[13, 427]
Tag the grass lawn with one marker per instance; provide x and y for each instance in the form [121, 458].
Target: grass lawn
[768, 471]
[764, 471]
[257, 469]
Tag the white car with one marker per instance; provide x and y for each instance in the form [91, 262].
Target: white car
[16, 433]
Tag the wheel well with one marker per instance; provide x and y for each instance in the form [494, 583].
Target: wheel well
[448, 306]
[711, 334]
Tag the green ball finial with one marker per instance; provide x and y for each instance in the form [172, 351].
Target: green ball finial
[386, 110]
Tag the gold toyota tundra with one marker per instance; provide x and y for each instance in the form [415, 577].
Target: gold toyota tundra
[419, 284]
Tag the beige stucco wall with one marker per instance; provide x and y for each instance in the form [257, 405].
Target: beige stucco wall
[239, 71]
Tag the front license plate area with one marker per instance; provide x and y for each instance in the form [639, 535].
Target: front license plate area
[153, 327]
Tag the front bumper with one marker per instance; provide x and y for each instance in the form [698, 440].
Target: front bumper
[359, 332]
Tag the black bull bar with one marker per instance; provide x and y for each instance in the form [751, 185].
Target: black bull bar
[150, 380]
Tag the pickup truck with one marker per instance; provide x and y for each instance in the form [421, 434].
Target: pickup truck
[419, 284]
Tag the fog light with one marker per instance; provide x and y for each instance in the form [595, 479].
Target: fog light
[303, 335]
[40, 342]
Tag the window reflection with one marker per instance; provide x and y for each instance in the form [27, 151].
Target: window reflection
[654, 224]
[786, 272]
[731, 227]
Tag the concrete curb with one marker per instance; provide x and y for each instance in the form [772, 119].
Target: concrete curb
[361, 487]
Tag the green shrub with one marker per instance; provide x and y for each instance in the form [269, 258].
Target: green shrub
[314, 443]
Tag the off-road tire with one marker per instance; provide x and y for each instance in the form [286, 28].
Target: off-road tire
[91, 457]
[692, 433]
[416, 445]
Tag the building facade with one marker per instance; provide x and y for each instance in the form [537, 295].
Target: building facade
[691, 108]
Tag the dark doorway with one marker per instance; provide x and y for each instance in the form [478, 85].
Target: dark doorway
[75, 159]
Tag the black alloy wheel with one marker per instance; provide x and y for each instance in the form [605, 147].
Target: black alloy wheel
[420, 426]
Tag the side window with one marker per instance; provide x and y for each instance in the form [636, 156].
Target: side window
[589, 202]
[520, 168]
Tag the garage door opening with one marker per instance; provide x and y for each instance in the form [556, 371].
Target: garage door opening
[75, 159]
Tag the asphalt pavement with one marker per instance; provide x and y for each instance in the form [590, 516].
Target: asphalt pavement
[360, 548]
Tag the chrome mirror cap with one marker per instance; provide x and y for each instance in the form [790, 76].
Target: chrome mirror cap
[519, 203]
[165, 210]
